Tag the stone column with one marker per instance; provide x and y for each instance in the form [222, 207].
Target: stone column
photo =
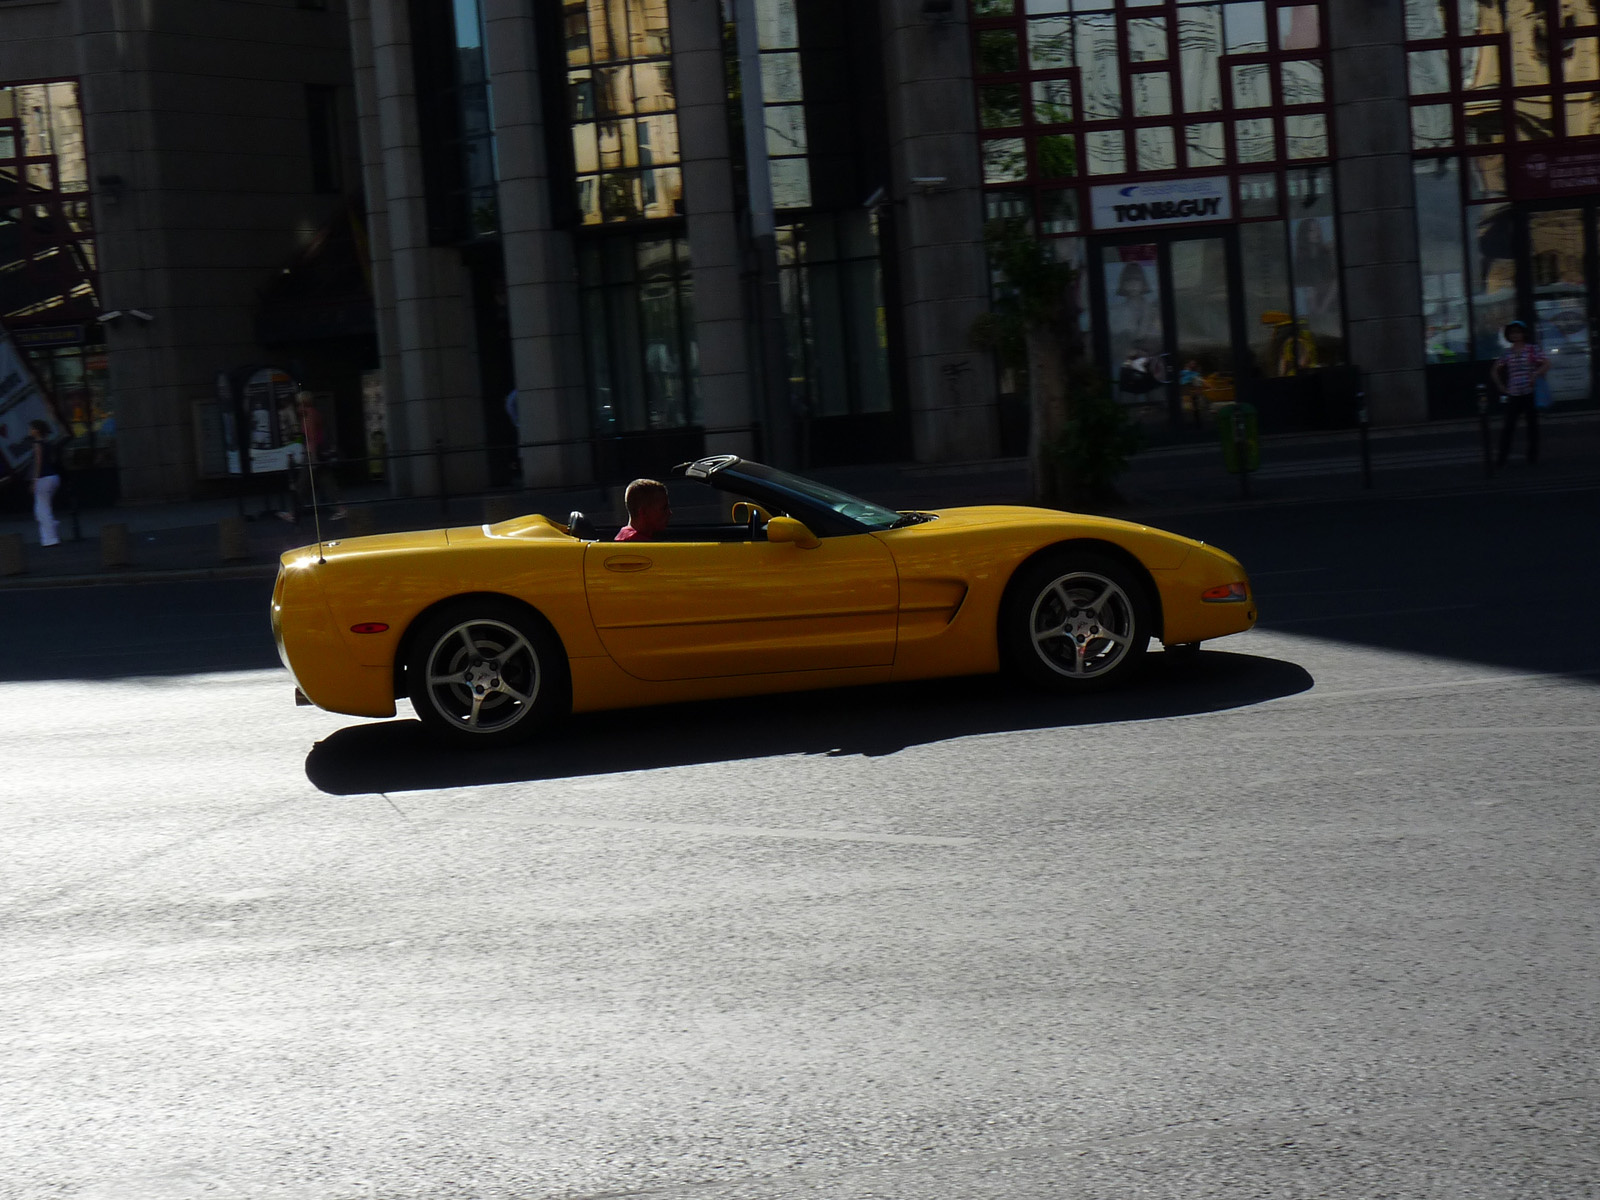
[541, 273]
[943, 270]
[436, 401]
[727, 387]
[1377, 207]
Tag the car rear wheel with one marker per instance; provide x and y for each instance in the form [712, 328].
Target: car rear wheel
[486, 673]
[1075, 621]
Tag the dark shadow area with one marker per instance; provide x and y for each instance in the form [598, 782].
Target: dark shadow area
[395, 756]
[119, 631]
[1508, 580]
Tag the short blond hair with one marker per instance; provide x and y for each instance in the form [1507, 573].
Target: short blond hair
[641, 492]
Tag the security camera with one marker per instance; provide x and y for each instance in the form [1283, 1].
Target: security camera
[140, 314]
[873, 200]
[109, 316]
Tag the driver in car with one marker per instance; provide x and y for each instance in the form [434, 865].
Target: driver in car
[648, 511]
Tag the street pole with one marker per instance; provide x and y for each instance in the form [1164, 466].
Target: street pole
[1366, 449]
[778, 416]
[1483, 430]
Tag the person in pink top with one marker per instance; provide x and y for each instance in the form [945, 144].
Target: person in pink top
[648, 511]
[1516, 373]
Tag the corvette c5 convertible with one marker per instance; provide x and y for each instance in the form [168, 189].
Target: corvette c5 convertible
[492, 631]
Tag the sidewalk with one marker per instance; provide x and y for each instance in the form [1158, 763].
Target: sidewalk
[185, 540]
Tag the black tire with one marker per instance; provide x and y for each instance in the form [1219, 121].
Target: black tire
[486, 672]
[1075, 621]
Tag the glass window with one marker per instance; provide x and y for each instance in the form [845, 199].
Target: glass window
[780, 79]
[1152, 94]
[1530, 61]
[1203, 144]
[1058, 211]
[1535, 120]
[1306, 135]
[1302, 83]
[1265, 270]
[1258, 195]
[1246, 27]
[997, 52]
[1480, 68]
[1578, 12]
[1580, 59]
[1147, 39]
[1492, 262]
[1425, 19]
[1005, 160]
[638, 330]
[1252, 85]
[1052, 101]
[1430, 127]
[1011, 205]
[1050, 43]
[1478, 17]
[1252, 140]
[1429, 71]
[1000, 106]
[1056, 156]
[1583, 114]
[1107, 155]
[993, 8]
[1099, 67]
[1483, 123]
[832, 292]
[1199, 52]
[1486, 176]
[1444, 292]
[1298, 27]
[791, 183]
[1313, 234]
[1157, 149]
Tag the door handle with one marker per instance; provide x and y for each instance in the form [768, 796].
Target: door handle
[630, 562]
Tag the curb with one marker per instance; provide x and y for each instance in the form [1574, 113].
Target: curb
[175, 575]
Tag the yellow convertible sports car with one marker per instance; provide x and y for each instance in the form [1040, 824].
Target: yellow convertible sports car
[494, 630]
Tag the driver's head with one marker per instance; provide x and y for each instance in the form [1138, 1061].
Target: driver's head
[648, 508]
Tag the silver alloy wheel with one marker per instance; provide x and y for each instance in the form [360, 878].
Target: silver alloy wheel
[1082, 624]
[482, 676]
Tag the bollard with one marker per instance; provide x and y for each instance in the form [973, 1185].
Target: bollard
[501, 508]
[358, 521]
[1483, 429]
[1366, 449]
[233, 542]
[114, 547]
[12, 561]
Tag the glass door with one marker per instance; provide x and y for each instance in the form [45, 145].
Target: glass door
[1558, 258]
[1170, 328]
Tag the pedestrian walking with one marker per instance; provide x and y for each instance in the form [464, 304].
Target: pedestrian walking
[1517, 373]
[316, 454]
[46, 480]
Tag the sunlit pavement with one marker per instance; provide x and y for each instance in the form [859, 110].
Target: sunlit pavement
[1313, 917]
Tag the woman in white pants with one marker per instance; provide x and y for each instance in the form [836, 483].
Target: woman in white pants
[46, 479]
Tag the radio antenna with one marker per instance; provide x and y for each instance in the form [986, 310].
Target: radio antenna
[302, 402]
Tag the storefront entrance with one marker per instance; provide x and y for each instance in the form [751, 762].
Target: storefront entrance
[1556, 267]
[1167, 323]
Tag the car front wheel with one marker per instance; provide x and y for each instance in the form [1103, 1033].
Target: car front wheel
[1075, 622]
[486, 673]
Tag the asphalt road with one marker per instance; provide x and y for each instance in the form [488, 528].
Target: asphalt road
[1313, 917]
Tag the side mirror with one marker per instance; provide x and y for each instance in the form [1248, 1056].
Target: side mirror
[744, 512]
[787, 529]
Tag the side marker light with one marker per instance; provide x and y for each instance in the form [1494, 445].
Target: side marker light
[370, 627]
[1227, 593]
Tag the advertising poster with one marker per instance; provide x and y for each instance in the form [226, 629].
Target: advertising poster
[22, 401]
[271, 424]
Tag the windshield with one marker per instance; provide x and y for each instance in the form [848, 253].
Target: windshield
[853, 508]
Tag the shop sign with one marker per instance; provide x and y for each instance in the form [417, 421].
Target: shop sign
[1173, 202]
[49, 338]
[1538, 174]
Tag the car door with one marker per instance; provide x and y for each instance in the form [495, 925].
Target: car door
[692, 610]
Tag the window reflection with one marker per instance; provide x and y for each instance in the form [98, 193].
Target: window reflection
[1444, 292]
[1199, 49]
[639, 334]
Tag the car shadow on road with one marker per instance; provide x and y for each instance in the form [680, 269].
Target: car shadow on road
[395, 756]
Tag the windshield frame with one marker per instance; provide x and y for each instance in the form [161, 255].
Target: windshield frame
[826, 511]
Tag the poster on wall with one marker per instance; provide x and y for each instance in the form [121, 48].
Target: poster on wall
[22, 401]
[271, 422]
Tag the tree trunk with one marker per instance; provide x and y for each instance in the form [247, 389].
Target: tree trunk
[1049, 405]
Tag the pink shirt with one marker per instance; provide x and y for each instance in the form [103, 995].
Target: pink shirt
[627, 534]
[1520, 362]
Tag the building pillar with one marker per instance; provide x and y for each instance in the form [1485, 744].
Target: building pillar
[943, 269]
[435, 417]
[1377, 218]
[727, 387]
[541, 272]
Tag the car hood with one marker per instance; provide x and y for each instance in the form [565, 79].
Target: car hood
[370, 545]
